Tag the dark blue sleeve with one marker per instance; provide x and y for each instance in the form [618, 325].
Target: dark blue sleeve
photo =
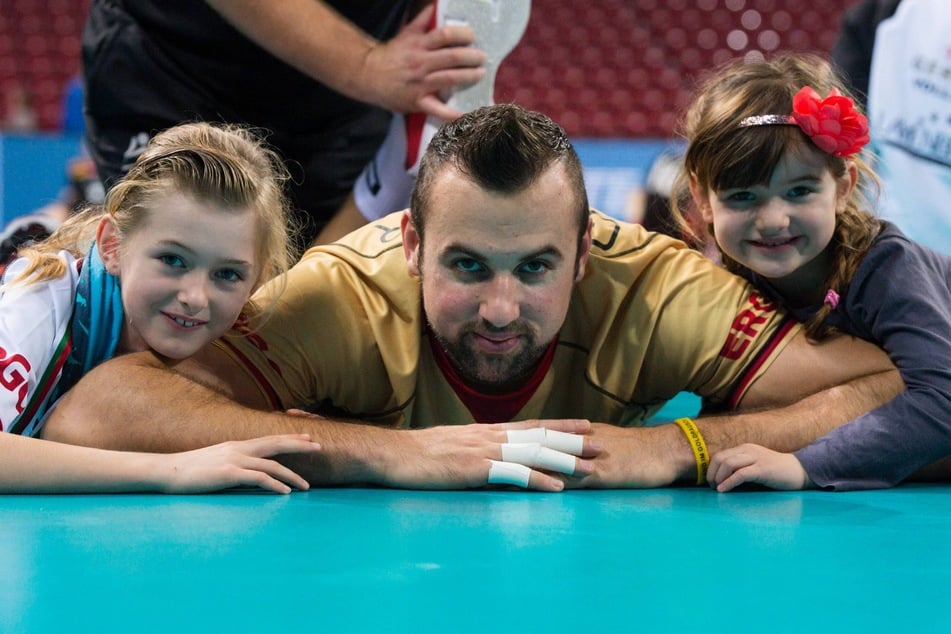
[901, 299]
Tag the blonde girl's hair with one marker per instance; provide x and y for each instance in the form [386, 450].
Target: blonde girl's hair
[227, 165]
[723, 155]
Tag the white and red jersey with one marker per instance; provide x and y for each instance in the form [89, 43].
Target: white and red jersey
[34, 320]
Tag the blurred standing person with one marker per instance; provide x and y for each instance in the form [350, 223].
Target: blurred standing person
[852, 51]
[907, 67]
[20, 114]
[319, 76]
[387, 181]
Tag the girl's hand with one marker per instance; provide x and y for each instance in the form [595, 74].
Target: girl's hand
[236, 463]
[753, 463]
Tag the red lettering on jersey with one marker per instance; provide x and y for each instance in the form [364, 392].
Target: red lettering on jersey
[734, 347]
[761, 303]
[744, 328]
[12, 378]
[746, 321]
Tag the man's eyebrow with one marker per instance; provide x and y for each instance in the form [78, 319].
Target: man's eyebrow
[549, 251]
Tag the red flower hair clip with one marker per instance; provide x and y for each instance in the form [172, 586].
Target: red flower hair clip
[833, 123]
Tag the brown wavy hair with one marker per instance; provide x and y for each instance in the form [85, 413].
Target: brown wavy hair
[722, 155]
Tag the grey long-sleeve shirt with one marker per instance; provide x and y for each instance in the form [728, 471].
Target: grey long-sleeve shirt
[900, 298]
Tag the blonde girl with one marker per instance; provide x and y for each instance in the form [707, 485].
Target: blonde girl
[168, 265]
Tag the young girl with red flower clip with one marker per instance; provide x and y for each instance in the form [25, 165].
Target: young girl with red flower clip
[773, 169]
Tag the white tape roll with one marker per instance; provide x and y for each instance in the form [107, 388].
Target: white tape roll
[509, 473]
[557, 440]
[561, 441]
[534, 455]
[535, 434]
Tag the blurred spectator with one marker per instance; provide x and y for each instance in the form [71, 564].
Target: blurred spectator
[82, 186]
[852, 51]
[900, 55]
[23, 231]
[320, 76]
[71, 118]
[19, 114]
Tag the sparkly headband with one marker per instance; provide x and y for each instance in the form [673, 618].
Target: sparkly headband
[833, 123]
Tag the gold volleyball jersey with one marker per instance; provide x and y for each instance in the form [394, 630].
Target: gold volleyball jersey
[651, 318]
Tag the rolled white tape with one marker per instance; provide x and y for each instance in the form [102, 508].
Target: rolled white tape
[557, 440]
[535, 434]
[534, 455]
[509, 473]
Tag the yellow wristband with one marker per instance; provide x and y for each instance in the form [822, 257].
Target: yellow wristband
[700, 453]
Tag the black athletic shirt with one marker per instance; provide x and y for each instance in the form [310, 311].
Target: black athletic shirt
[211, 59]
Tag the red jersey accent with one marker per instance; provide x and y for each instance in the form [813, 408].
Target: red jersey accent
[47, 383]
[14, 369]
[746, 327]
[751, 371]
[491, 408]
[259, 378]
[414, 121]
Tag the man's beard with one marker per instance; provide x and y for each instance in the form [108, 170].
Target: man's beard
[489, 373]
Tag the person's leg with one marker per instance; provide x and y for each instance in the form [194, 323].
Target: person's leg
[325, 165]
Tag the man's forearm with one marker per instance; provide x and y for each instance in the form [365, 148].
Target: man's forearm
[662, 455]
[307, 34]
[136, 403]
[133, 405]
[795, 426]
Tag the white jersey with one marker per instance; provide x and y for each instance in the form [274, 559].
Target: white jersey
[909, 108]
[34, 319]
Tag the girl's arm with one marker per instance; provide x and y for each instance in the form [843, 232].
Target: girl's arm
[750, 463]
[31, 465]
[900, 298]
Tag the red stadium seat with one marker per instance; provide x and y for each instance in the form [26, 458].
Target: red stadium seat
[603, 68]
[642, 56]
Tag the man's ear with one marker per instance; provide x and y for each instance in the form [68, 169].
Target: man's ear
[701, 199]
[107, 241]
[584, 250]
[411, 242]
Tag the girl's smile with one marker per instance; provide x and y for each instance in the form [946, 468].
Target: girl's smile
[781, 229]
[185, 273]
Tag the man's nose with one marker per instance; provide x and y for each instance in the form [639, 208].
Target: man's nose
[500, 301]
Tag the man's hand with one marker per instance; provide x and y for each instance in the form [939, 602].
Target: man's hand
[640, 458]
[756, 464]
[405, 74]
[408, 72]
[460, 457]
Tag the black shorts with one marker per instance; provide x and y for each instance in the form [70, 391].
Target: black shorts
[134, 91]
[323, 166]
